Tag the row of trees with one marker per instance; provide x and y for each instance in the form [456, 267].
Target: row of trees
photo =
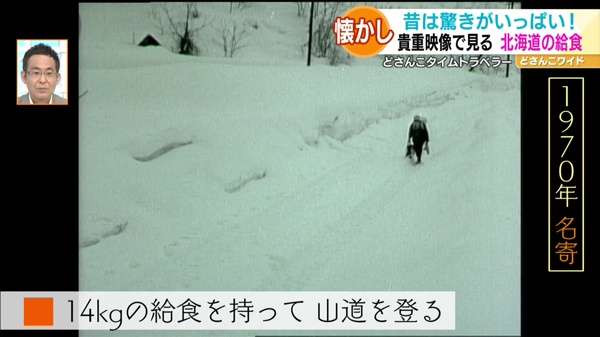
[322, 37]
[185, 22]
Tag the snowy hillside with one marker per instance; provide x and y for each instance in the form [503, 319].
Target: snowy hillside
[259, 173]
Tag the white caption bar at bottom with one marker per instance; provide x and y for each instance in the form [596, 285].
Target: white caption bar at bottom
[268, 310]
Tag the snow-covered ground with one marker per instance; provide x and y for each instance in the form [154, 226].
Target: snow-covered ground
[259, 173]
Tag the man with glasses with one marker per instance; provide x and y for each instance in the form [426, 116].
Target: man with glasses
[41, 75]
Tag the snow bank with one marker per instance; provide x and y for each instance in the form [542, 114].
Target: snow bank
[152, 146]
[237, 184]
[97, 227]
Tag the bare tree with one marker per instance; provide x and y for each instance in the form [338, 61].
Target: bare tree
[184, 29]
[322, 32]
[232, 37]
[323, 40]
[310, 32]
[301, 7]
[240, 6]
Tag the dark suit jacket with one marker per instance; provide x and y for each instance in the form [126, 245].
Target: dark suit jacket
[56, 100]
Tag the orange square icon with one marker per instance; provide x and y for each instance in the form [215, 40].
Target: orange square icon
[38, 311]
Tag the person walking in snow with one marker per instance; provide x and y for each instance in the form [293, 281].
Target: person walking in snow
[418, 138]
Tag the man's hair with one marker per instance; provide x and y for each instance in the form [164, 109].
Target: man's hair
[41, 49]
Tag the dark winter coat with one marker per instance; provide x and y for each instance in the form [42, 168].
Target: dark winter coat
[418, 132]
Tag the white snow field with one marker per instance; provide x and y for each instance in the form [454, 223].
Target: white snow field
[257, 173]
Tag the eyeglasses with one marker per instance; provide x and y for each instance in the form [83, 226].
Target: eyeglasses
[37, 74]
